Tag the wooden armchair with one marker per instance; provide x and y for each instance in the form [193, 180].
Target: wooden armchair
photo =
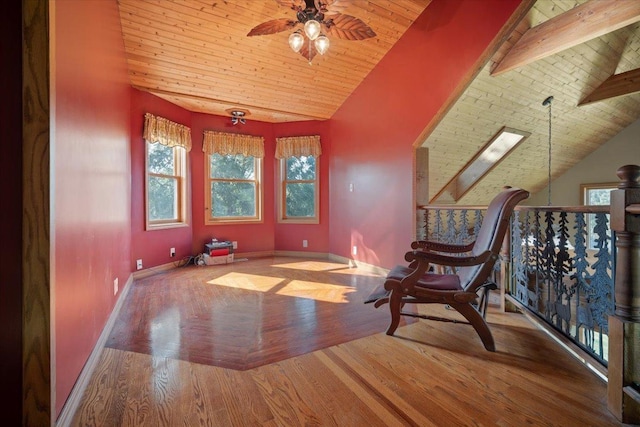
[466, 290]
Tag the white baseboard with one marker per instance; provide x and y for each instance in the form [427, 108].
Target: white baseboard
[259, 254]
[300, 254]
[75, 397]
[158, 269]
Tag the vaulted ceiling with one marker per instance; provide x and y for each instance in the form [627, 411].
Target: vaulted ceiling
[197, 54]
[497, 97]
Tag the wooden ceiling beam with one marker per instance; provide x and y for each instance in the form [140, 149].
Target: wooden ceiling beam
[578, 25]
[616, 85]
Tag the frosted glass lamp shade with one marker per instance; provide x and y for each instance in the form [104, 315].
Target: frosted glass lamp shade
[312, 29]
[296, 40]
[322, 44]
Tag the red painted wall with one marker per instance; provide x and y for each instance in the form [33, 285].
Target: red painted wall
[91, 195]
[153, 246]
[288, 237]
[373, 132]
[11, 214]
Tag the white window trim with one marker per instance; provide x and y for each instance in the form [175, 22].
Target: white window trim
[590, 218]
[258, 219]
[182, 167]
[281, 196]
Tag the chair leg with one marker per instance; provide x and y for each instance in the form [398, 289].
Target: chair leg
[395, 305]
[479, 324]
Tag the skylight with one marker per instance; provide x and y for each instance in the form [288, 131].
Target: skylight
[486, 159]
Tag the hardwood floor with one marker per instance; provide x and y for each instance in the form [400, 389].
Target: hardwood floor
[289, 342]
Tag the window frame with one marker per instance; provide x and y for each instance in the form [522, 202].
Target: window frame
[258, 180]
[590, 218]
[282, 194]
[181, 167]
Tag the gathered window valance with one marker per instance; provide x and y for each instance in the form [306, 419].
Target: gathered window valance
[297, 146]
[166, 132]
[232, 143]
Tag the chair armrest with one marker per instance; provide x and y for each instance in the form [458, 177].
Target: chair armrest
[420, 262]
[440, 259]
[441, 247]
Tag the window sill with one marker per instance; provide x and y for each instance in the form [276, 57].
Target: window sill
[234, 222]
[310, 221]
[165, 226]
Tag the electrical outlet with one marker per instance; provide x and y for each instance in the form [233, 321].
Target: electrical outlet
[115, 286]
[354, 251]
[351, 187]
[138, 264]
[172, 252]
[235, 245]
[305, 243]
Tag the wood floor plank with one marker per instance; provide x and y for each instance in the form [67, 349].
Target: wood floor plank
[286, 359]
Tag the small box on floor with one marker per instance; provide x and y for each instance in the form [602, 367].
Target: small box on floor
[216, 248]
[217, 260]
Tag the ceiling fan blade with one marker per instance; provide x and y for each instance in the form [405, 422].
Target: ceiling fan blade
[322, 5]
[272, 27]
[297, 5]
[347, 27]
[336, 6]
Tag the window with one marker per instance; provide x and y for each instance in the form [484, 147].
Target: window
[167, 144]
[596, 194]
[299, 172]
[487, 158]
[234, 188]
[299, 189]
[166, 190]
[233, 175]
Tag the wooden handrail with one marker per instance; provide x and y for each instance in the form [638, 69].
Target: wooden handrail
[570, 209]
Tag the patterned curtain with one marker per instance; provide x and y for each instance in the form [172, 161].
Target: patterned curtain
[297, 146]
[232, 143]
[163, 131]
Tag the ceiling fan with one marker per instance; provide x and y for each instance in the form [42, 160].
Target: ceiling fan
[319, 18]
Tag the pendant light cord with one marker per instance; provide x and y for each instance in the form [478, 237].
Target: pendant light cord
[545, 103]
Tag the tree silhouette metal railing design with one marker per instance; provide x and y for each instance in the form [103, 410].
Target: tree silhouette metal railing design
[552, 272]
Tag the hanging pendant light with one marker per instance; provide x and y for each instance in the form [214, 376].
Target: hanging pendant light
[312, 29]
[296, 41]
[547, 103]
[322, 44]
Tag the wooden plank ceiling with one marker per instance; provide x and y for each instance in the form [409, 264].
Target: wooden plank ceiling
[196, 54]
[511, 88]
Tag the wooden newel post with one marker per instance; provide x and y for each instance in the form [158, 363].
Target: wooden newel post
[505, 269]
[623, 386]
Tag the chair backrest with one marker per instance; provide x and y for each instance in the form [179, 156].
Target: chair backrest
[491, 235]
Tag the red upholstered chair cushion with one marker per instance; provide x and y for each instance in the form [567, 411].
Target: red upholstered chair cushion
[442, 282]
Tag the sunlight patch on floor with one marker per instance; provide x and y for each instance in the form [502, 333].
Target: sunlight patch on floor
[312, 265]
[250, 282]
[356, 272]
[279, 285]
[318, 291]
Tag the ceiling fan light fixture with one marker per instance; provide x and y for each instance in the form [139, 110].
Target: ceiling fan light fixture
[311, 14]
[296, 41]
[322, 44]
[312, 29]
